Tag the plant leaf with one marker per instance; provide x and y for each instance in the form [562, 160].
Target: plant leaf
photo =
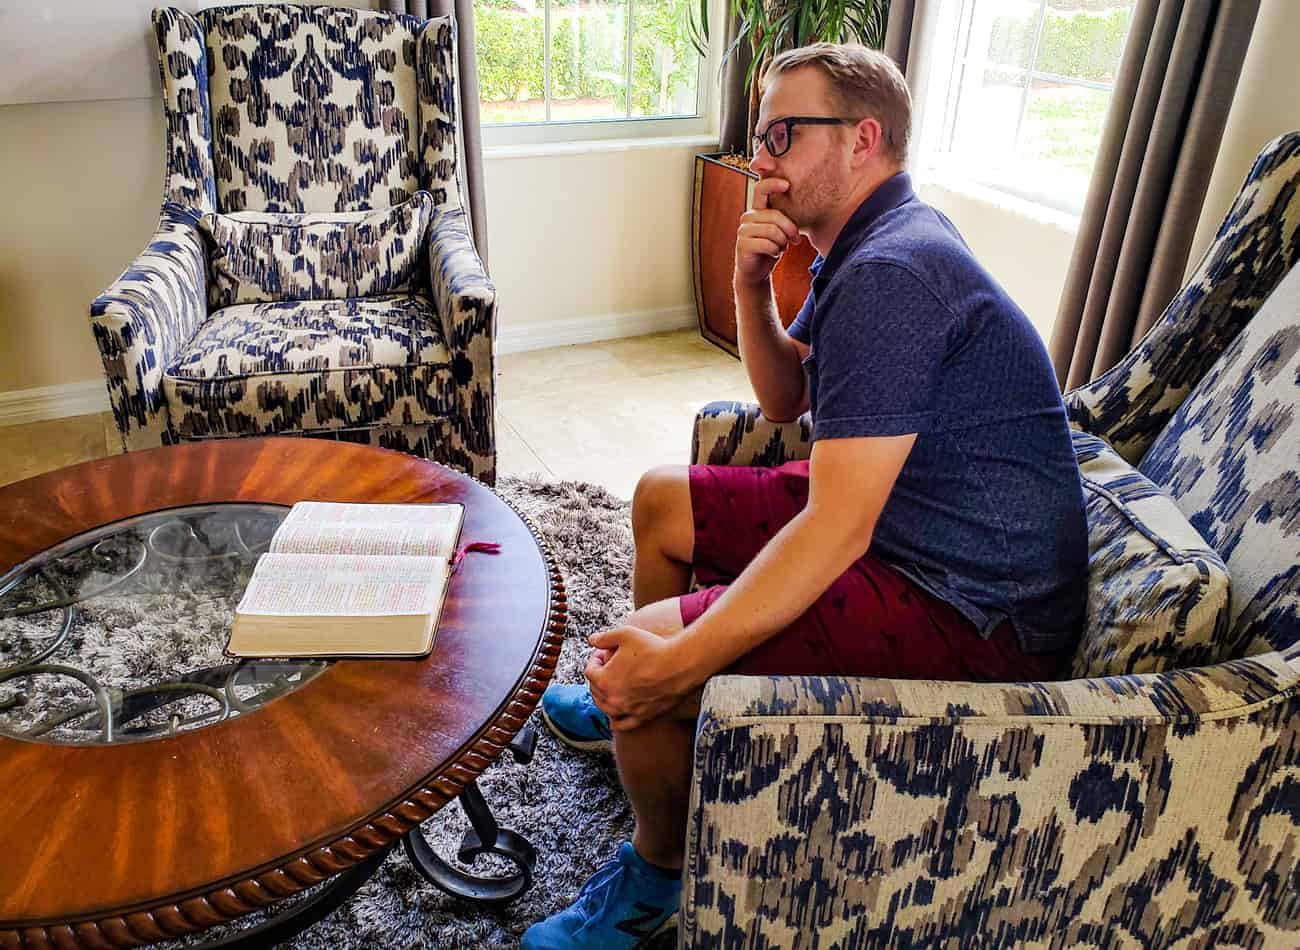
[807, 24]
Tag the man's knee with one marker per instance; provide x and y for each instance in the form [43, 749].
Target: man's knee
[663, 617]
[662, 502]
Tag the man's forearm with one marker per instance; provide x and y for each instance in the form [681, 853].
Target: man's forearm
[784, 580]
[770, 358]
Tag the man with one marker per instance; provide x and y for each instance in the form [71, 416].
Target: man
[937, 531]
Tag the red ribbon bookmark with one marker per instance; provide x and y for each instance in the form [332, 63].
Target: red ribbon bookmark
[485, 547]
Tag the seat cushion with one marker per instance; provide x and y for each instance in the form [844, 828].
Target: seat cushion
[1230, 459]
[256, 257]
[1157, 593]
[312, 365]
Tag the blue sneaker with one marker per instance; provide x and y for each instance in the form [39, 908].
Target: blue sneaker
[626, 904]
[570, 713]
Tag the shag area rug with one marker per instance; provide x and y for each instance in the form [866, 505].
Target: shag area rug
[567, 803]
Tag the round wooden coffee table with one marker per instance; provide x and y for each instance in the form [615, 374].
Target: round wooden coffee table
[161, 809]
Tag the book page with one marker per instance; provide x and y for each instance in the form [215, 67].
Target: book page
[311, 585]
[311, 537]
[326, 527]
[445, 516]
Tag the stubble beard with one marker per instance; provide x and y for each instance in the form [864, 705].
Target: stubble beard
[815, 198]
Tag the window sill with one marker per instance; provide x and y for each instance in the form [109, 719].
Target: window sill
[557, 149]
[1005, 201]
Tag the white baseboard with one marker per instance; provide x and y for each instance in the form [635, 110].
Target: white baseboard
[53, 402]
[593, 329]
[79, 399]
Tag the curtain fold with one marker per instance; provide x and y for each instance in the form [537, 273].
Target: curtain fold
[1176, 80]
[733, 129]
[469, 143]
[907, 42]
[898, 31]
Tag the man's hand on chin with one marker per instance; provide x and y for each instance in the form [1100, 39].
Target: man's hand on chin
[637, 676]
[764, 234]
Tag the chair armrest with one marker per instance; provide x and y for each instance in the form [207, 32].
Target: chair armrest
[737, 433]
[144, 318]
[465, 301]
[887, 812]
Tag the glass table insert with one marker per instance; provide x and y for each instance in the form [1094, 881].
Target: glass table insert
[116, 635]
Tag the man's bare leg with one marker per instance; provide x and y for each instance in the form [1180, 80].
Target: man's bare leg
[664, 531]
[655, 761]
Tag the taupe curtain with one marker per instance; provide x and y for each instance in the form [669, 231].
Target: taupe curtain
[469, 144]
[907, 33]
[1171, 98]
[898, 31]
[733, 132]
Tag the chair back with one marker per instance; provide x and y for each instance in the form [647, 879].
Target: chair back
[308, 109]
[1205, 405]
[1230, 459]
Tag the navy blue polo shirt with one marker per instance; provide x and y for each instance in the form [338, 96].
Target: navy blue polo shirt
[908, 333]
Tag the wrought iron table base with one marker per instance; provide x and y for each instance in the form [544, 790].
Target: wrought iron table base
[484, 837]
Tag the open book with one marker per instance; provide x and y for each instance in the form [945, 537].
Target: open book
[349, 580]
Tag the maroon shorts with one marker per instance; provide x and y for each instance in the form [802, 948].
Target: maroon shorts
[871, 621]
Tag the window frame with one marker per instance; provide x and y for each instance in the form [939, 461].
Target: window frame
[704, 122]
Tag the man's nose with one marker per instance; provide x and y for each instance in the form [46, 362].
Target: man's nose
[761, 162]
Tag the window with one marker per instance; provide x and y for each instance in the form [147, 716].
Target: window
[1018, 91]
[570, 69]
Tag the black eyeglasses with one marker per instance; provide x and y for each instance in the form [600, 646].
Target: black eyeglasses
[776, 137]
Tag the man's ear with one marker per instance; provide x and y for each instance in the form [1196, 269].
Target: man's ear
[870, 139]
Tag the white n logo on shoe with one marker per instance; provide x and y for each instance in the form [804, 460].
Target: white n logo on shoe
[644, 925]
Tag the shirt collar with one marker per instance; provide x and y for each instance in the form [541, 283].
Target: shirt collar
[889, 194]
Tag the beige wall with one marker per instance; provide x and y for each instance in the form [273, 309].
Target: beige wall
[1267, 105]
[591, 233]
[82, 182]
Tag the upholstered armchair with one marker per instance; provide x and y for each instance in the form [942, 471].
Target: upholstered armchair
[1129, 808]
[307, 121]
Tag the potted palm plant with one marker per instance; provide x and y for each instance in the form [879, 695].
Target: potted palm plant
[723, 181]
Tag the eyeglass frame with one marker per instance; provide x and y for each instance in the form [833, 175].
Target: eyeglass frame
[790, 121]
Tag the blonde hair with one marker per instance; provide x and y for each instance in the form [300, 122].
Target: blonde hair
[863, 81]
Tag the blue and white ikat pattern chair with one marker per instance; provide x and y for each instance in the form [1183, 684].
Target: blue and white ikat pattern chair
[1149, 807]
[306, 111]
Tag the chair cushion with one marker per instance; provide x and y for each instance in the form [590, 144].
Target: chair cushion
[1157, 593]
[312, 365]
[1230, 459]
[257, 257]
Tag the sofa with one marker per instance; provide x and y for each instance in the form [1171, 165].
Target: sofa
[313, 271]
[1151, 800]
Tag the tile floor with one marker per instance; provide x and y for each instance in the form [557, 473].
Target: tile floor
[599, 412]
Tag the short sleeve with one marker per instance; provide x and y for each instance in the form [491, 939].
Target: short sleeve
[801, 326]
[880, 346]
